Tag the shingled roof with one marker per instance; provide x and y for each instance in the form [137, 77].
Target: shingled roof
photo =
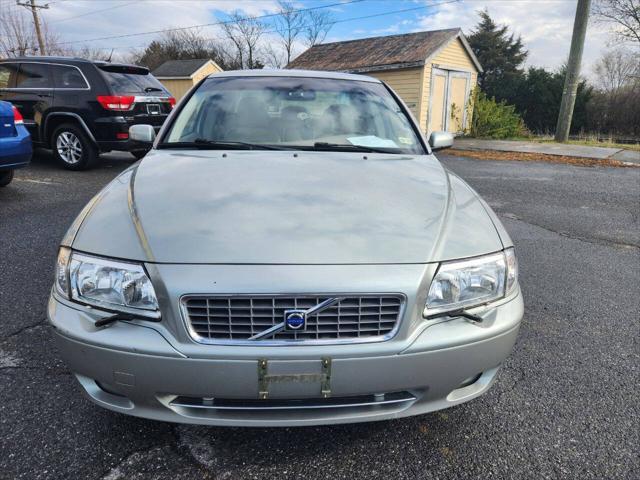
[379, 53]
[179, 68]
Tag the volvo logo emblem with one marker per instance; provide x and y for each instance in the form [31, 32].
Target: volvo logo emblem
[295, 319]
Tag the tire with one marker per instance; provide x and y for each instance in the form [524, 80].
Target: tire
[139, 153]
[6, 177]
[72, 147]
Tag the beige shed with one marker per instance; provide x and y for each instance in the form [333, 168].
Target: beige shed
[434, 72]
[178, 76]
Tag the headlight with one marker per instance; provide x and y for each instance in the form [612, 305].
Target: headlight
[104, 283]
[468, 283]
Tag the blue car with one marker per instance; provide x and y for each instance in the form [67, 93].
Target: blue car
[15, 143]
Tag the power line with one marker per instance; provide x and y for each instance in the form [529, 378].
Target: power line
[257, 17]
[94, 12]
[422, 7]
[36, 21]
[351, 19]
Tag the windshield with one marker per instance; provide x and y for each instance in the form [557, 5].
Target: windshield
[294, 112]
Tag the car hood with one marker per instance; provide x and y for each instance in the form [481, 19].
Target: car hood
[277, 207]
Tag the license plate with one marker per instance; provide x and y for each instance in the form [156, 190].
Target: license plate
[320, 376]
[153, 109]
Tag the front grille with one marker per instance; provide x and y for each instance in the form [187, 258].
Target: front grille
[247, 405]
[215, 319]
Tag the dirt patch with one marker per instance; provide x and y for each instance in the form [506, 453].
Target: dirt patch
[537, 157]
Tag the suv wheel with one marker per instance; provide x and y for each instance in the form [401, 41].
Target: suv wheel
[72, 147]
[5, 178]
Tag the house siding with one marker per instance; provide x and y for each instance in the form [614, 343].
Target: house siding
[179, 87]
[407, 83]
[454, 55]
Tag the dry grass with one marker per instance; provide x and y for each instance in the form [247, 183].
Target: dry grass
[537, 157]
[596, 143]
[587, 141]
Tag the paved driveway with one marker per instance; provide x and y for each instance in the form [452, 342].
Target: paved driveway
[565, 405]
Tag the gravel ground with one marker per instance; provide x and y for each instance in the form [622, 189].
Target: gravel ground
[565, 405]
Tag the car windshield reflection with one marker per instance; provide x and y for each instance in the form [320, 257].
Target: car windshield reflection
[294, 113]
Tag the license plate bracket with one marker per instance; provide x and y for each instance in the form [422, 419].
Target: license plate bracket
[153, 109]
[265, 378]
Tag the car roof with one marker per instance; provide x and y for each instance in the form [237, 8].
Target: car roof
[295, 73]
[46, 59]
[70, 60]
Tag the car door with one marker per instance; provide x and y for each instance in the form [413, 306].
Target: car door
[32, 95]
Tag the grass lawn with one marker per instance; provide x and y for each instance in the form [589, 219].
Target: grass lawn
[587, 142]
[537, 157]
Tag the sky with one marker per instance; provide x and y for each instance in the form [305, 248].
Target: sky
[545, 25]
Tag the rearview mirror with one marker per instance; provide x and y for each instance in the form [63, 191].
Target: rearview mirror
[439, 140]
[142, 133]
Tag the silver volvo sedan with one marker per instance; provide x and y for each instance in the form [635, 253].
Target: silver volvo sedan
[289, 252]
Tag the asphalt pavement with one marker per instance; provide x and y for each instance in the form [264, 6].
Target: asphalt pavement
[565, 404]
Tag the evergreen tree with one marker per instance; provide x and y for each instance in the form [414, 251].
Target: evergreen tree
[501, 56]
[538, 100]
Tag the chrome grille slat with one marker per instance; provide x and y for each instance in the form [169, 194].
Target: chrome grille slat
[234, 319]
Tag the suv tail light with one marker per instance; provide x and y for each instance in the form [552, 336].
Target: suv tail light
[116, 102]
[172, 102]
[17, 116]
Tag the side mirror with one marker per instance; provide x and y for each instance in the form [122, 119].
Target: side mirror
[439, 140]
[142, 133]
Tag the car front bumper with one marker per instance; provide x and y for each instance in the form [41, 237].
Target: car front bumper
[133, 369]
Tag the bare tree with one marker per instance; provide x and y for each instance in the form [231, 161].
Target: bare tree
[94, 53]
[623, 14]
[236, 40]
[182, 45]
[245, 34]
[289, 23]
[318, 23]
[274, 57]
[616, 69]
[18, 36]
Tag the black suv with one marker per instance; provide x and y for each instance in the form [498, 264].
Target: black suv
[80, 108]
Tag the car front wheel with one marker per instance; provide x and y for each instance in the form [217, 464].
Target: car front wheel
[72, 148]
[6, 177]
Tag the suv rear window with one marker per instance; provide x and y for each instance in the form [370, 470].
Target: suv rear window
[126, 79]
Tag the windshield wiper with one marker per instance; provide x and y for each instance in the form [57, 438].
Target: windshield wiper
[459, 313]
[152, 89]
[203, 143]
[251, 146]
[351, 148]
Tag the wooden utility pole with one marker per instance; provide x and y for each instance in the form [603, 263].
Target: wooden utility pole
[572, 77]
[36, 22]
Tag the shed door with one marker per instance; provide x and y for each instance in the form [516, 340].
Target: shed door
[437, 121]
[449, 98]
[458, 98]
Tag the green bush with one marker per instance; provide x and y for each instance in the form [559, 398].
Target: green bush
[493, 119]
